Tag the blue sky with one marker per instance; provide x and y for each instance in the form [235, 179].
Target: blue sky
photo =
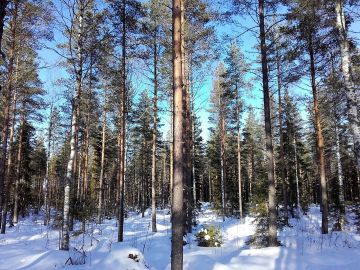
[246, 41]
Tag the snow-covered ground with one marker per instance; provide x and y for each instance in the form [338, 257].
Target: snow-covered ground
[30, 245]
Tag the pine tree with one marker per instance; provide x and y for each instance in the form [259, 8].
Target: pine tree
[177, 216]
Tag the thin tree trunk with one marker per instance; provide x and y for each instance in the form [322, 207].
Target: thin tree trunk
[340, 181]
[210, 185]
[18, 168]
[46, 191]
[282, 158]
[102, 165]
[9, 161]
[122, 129]
[222, 155]
[177, 216]
[171, 147]
[239, 153]
[319, 141]
[70, 174]
[351, 93]
[268, 133]
[153, 167]
[297, 178]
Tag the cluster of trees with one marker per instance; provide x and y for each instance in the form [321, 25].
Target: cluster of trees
[135, 69]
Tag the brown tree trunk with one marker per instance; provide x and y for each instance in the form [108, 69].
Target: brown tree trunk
[177, 216]
[171, 174]
[122, 129]
[319, 140]
[269, 146]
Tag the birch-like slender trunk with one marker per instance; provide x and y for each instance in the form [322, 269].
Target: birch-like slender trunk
[46, 186]
[340, 180]
[352, 93]
[70, 172]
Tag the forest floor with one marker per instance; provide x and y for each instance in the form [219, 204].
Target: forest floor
[32, 246]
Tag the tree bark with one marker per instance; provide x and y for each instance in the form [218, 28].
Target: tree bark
[7, 177]
[222, 153]
[340, 181]
[177, 216]
[153, 167]
[352, 93]
[122, 128]
[46, 191]
[282, 158]
[268, 133]
[102, 165]
[3, 5]
[7, 109]
[239, 153]
[319, 140]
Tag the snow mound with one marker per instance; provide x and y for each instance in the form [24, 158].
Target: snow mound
[120, 257]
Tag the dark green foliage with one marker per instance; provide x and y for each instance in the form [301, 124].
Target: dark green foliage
[209, 236]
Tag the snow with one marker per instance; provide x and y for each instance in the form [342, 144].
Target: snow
[32, 246]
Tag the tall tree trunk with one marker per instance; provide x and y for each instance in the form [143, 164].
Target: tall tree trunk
[69, 192]
[340, 180]
[102, 165]
[222, 126]
[153, 166]
[70, 172]
[298, 206]
[177, 216]
[122, 128]
[282, 158]
[18, 168]
[319, 140]
[351, 93]
[269, 146]
[47, 184]
[7, 108]
[7, 177]
[171, 174]
[239, 153]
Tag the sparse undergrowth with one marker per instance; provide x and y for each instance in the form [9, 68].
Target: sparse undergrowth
[209, 236]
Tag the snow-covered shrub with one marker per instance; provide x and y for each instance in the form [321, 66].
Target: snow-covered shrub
[209, 236]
